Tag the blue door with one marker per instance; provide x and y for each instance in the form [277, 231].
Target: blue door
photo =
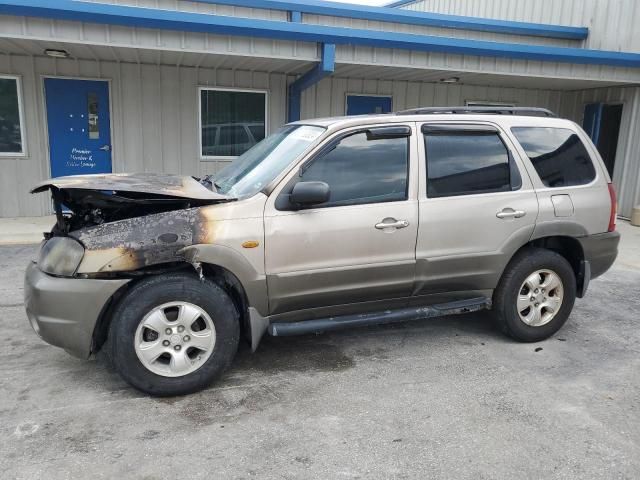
[363, 104]
[591, 121]
[79, 126]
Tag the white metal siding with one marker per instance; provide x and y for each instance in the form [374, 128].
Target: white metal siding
[612, 23]
[327, 98]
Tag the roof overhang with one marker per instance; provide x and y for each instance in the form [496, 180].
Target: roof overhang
[294, 31]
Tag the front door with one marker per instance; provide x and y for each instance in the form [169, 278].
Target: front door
[79, 126]
[360, 245]
[368, 104]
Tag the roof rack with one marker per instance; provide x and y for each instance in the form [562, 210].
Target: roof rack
[526, 111]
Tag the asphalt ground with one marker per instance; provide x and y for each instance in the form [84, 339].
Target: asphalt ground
[443, 398]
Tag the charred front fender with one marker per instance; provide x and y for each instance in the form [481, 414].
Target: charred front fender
[135, 243]
[253, 281]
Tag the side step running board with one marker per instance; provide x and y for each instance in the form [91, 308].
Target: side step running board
[378, 318]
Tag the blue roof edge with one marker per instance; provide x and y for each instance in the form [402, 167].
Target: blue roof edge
[410, 17]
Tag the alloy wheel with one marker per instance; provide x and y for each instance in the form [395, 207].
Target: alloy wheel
[540, 298]
[175, 339]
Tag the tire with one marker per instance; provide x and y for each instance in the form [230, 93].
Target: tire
[205, 332]
[535, 316]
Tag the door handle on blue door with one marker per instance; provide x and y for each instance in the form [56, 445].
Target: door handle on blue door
[390, 222]
[510, 213]
[105, 148]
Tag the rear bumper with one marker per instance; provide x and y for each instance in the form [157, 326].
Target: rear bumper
[600, 251]
[64, 311]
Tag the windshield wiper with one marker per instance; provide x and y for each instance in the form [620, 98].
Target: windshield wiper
[206, 181]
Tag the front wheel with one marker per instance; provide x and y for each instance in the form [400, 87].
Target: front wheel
[535, 295]
[173, 335]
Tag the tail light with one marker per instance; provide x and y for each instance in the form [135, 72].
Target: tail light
[614, 208]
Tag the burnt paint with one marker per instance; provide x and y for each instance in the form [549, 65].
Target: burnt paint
[144, 241]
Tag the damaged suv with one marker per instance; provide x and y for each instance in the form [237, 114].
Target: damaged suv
[326, 224]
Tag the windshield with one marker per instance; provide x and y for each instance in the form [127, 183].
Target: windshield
[258, 166]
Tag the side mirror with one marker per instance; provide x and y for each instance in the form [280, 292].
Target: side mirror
[309, 193]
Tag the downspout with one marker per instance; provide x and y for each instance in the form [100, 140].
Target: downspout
[323, 69]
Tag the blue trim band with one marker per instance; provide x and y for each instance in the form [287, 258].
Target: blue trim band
[428, 19]
[251, 27]
[323, 69]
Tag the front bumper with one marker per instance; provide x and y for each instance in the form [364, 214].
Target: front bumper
[64, 311]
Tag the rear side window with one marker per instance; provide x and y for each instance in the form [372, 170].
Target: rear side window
[360, 169]
[466, 162]
[557, 154]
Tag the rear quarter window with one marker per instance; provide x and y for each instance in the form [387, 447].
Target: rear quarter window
[558, 155]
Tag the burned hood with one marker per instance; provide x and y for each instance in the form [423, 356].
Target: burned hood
[154, 185]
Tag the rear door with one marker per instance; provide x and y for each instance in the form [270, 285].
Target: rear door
[570, 181]
[477, 207]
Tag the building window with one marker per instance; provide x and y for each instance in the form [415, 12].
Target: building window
[558, 155]
[11, 126]
[231, 121]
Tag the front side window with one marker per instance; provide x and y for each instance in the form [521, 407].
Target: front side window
[231, 122]
[362, 169]
[11, 141]
[466, 162]
[558, 155]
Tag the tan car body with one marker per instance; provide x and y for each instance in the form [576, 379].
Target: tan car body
[319, 262]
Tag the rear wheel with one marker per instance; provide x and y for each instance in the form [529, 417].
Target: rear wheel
[173, 335]
[535, 295]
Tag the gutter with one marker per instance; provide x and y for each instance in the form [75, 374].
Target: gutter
[323, 69]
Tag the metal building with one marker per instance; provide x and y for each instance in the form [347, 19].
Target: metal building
[185, 86]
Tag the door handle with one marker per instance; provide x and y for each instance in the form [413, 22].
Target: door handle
[511, 213]
[392, 223]
[105, 148]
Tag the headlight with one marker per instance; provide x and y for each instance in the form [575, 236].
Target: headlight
[60, 256]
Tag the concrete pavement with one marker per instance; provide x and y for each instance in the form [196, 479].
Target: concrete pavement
[24, 230]
[444, 398]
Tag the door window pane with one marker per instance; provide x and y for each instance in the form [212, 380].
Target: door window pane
[466, 163]
[92, 101]
[229, 119]
[558, 155]
[360, 171]
[10, 131]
